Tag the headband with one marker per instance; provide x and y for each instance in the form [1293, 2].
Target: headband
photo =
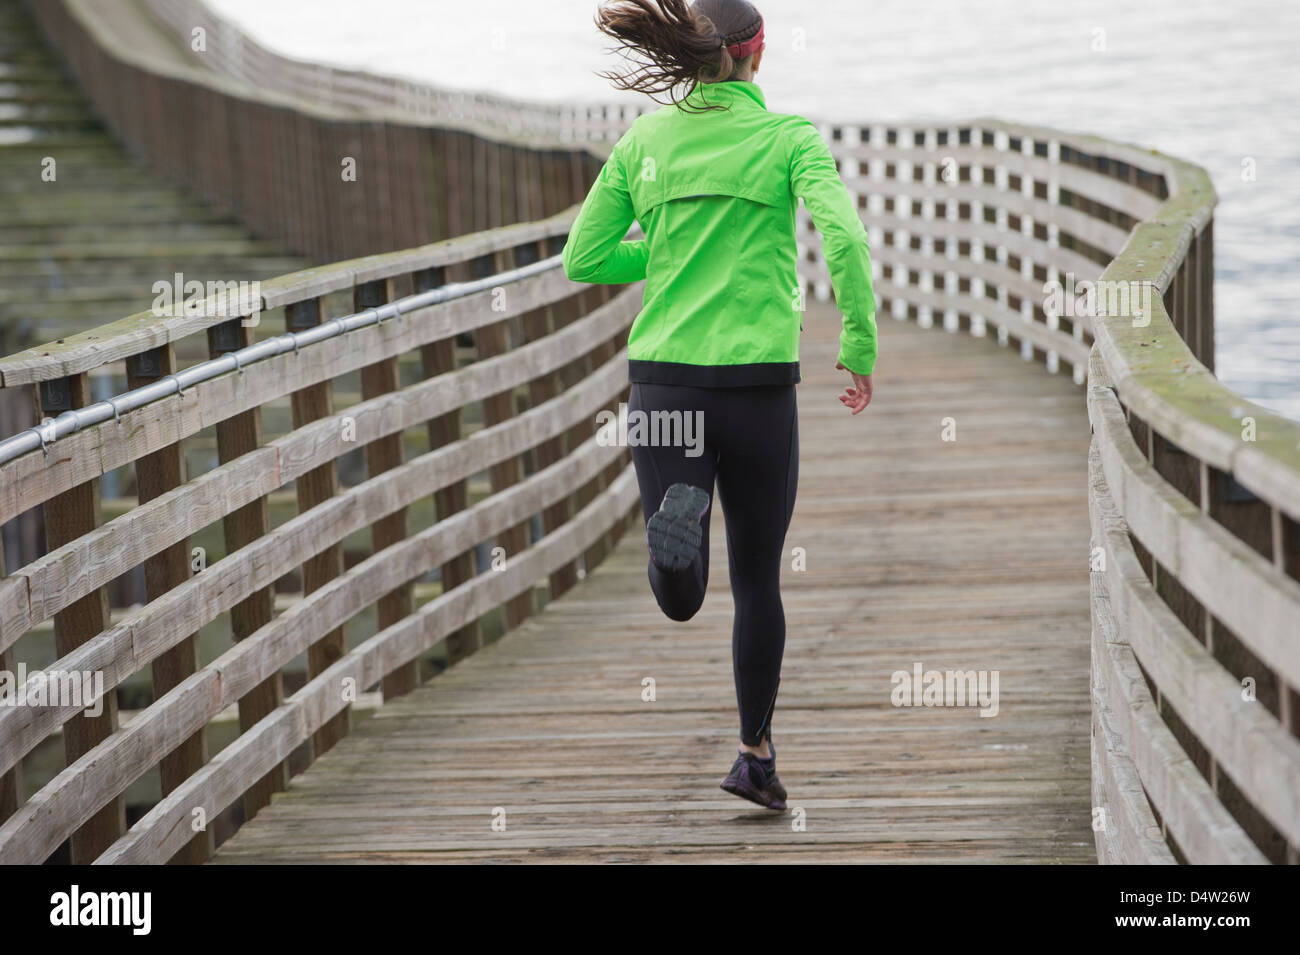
[739, 51]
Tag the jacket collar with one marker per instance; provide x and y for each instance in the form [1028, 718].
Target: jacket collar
[728, 93]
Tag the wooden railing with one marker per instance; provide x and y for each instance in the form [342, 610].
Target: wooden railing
[1194, 492]
[970, 224]
[328, 181]
[983, 227]
[234, 54]
[411, 442]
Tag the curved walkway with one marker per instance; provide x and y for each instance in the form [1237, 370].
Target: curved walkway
[957, 555]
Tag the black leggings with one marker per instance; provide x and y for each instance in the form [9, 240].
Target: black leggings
[750, 445]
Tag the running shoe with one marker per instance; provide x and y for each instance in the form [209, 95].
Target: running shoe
[749, 779]
[674, 531]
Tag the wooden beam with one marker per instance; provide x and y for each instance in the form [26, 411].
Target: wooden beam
[49, 583]
[382, 378]
[315, 487]
[155, 474]
[237, 436]
[490, 341]
[68, 516]
[537, 325]
[439, 358]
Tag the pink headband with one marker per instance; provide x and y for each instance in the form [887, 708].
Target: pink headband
[739, 51]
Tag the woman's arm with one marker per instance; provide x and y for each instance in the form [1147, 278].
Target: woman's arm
[816, 181]
[595, 251]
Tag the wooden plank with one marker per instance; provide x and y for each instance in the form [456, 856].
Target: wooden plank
[491, 341]
[537, 325]
[998, 316]
[366, 664]
[1085, 182]
[437, 359]
[15, 611]
[1261, 757]
[156, 474]
[1131, 836]
[1066, 261]
[1096, 232]
[1203, 347]
[31, 479]
[199, 699]
[601, 353]
[601, 547]
[315, 487]
[383, 454]
[1241, 587]
[68, 573]
[974, 575]
[1135, 732]
[67, 516]
[237, 436]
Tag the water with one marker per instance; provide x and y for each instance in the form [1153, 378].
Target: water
[1211, 82]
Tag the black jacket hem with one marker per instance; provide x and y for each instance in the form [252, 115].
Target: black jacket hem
[713, 376]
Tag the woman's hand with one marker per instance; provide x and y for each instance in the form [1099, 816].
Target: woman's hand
[858, 396]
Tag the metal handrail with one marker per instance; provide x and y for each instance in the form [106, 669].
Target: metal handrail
[70, 422]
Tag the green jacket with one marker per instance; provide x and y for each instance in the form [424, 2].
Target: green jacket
[716, 194]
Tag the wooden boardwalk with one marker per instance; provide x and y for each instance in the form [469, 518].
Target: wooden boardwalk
[962, 555]
[957, 556]
[89, 244]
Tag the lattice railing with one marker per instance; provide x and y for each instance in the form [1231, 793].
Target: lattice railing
[396, 457]
[990, 228]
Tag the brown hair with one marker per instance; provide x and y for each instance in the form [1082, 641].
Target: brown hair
[674, 47]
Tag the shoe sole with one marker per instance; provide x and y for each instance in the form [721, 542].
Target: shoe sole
[757, 796]
[674, 532]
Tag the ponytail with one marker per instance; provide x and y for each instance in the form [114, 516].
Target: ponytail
[674, 47]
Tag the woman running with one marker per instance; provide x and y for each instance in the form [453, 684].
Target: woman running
[714, 179]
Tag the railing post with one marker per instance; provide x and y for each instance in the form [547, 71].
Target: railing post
[156, 474]
[479, 200]
[68, 516]
[615, 467]
[495, 184]
[490, 341]
[1205, 296]
[434, 167]
[1176, 301]
[510, 171]
[535, 195]
[437, 359]
[385, 453]
[315, 487]
[457, 180]
[237, 436]
[602, 353]
[577, 180]
[562, 314]
[537, 324]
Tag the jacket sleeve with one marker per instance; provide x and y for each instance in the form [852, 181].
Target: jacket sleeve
[595, 251]
[816, 181]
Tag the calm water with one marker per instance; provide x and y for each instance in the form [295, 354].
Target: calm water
[1212, 82]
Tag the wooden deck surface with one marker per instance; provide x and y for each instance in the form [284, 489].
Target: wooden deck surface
[965, 555]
